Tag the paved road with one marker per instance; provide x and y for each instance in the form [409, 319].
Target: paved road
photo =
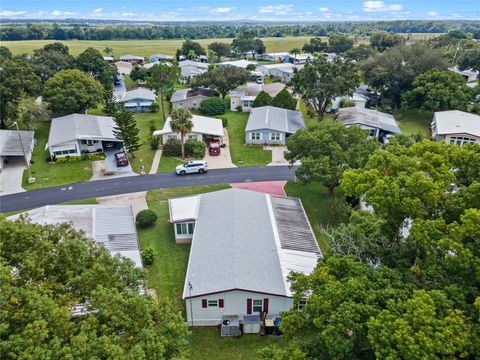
[93, 189]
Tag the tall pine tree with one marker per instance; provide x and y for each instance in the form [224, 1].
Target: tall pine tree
[109, 102]
[126, 130]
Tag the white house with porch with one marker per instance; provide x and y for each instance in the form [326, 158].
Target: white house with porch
[456, 127]
[77, 134]
[203, 129]
[244, 246]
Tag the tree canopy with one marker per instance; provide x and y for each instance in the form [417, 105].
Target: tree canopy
[221, 49]
[51, 59]
[71, 91]
[91, 62]
[188, 46]
[262, 99]
[126, 130]
[248, 41]
[45, 271]
[327, 150]
[339, 43]
[437, 90]
[384, 40]
[284, 100]
[222, 79]
[161, 77]
[320, 81]
[393, 71]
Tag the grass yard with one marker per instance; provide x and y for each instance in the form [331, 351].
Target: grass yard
[206, 344]
[323, 210]
[243, 155]
[169, 47]
[53, 174]
[414, 122]
[130, 84]
[168, 164]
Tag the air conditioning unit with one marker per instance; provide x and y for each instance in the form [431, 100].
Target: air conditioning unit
[251, 324]
[230, 326]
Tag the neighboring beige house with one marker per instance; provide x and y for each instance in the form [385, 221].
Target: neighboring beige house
[456, 127]
[123, 67]
[189, 98]
[204, 129]
[245, 96]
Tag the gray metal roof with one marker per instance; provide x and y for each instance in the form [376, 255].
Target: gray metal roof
[185, 94]
[81, 126]
[112, 226]
[456, 122]
[139, 93]
[10, 144]
[273, 118]
[236, 245]
[368, 117]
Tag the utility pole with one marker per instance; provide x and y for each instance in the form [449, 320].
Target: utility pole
[190, 288]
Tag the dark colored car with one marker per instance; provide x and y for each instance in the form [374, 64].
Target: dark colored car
[214, 148]
[121, 158]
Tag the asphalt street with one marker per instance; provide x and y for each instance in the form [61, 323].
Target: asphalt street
[93, 189]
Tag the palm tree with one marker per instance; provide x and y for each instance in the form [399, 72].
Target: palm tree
[295, 51]
[182, 124]
[192, 54]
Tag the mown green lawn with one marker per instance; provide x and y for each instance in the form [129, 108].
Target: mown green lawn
[47, 174]
[207, 344]
[243, 155]
[168, 164]
[323, 210]
[413, 122]
[130, 84]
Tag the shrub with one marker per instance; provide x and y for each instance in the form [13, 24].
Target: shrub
[195, 149]
[344, 103]
[154, 143]
[213, 106]
[224, 121]
[284, 100]
[154, 107]
[239, 108]
[70, 159]
[172, 147]
[146, 218]
[251, 67]
[148, 256]
[262, 99]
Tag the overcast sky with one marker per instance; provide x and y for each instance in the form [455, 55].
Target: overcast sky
[298, 10]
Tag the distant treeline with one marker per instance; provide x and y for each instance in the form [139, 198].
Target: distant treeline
[67, 31]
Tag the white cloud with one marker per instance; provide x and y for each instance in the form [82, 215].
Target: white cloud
[222, 10]
[97, 11]
[12, 13]
[128, 14]
[324, 9]
[432, 13]
[276, 9]
[61, 13]
[377, 6]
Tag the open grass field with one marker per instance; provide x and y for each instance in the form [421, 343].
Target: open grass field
[146, 47]
[169, 47]
[53, 174]
[243, 155]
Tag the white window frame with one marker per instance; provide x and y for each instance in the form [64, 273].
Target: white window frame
[276, 136]
[301, 304]
[460, 140]
[193, 137]
[257, 306]
[185, 228]
[253, 136]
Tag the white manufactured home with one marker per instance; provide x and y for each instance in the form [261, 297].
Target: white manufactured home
[244, 246]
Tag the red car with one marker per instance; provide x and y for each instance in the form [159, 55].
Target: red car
[121, 158]
[214, 148]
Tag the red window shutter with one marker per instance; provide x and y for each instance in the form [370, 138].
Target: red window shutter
[220, 303]
[265, 305]
[249, 306]
[204, 303]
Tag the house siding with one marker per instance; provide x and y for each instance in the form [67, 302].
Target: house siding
[235, 303]
[177, 135]
[448, 137]
[265, 137]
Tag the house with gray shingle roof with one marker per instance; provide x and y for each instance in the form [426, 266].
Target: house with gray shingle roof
[272, 125]
[378, 123]
[138, 100]
[189, 98]
[244, 246]
[77, 134]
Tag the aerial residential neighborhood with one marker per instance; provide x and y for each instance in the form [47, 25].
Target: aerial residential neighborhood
[240, 180]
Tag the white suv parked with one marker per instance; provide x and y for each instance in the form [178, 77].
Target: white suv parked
[192, 167]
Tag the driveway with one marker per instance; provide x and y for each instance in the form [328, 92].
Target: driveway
[278, 156]
[108, 169]
[11, 176]
[222, 161]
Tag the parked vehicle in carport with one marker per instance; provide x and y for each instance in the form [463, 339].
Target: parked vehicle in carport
[121, 159]
[192, 167]
[213, 148]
